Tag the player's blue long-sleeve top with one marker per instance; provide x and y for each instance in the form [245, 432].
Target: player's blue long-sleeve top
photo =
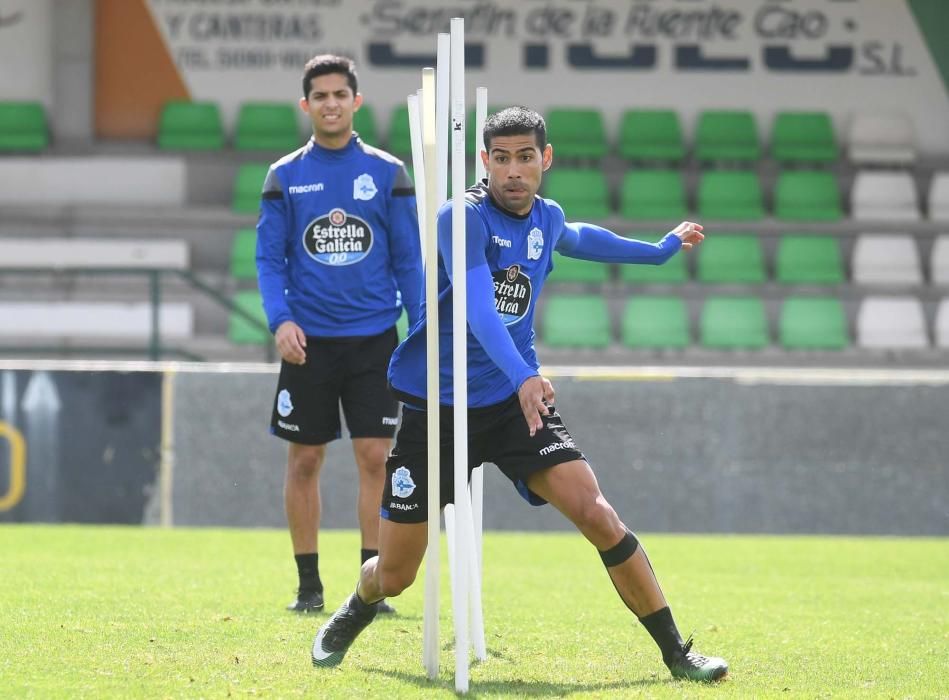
[508, 258]
[338, 242]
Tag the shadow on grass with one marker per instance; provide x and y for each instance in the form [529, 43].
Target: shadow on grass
[525, 688]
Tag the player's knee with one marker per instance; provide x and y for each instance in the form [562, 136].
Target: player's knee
[305, 461]
[598, 521]
[392, 581]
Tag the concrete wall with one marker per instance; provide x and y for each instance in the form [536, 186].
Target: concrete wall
[684, 454]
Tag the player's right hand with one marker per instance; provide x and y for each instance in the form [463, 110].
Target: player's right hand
[532, 395]
[690, 233]
[291, 342]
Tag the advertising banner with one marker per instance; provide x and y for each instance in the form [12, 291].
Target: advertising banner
[689, 55]
[26, 50]
[78, 447]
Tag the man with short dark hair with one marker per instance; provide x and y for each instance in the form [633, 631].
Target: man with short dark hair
[510, 237]
[338, 258]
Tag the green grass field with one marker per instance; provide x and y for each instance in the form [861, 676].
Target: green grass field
[97, 612]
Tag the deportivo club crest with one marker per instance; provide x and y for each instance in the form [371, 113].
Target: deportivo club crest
[364, 187]
[338, 238]
[512, 294]
[535, 244]
[402, 484]
[284, 404]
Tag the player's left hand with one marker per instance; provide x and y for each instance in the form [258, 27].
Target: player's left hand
[533, 395]
[690, 233]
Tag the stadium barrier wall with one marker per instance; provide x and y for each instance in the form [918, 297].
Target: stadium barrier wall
[675, 450]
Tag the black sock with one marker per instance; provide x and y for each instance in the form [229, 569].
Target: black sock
[366, 554]
[308, 569]
[662, 628]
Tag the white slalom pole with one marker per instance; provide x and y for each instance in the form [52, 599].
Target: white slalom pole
[477, 476]
[418, 166]
[433, 549]
[460, 354]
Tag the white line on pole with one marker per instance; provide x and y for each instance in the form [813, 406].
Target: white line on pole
[459, 351]
[433, 550]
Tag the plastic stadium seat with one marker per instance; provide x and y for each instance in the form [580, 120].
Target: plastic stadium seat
[813, 323]
[655, 322]
[673, 271]
[733, 195]
[653, 194]
[803, 137]
[807, 196]
[400, 138]
[577, 133]
[941, 329]
[248, 184]
[583, 192]
[884, 197]
[886, 259]
[23, 127]
[190, 126]
[579, 321]
[244, 254]
[364, 123]
[731, 258]
[734, 323]
[892, 323]
[939, 197]
[808, 259]
[267, 126]
[568, 269]
[727, 135]
[939, 261]
[240, 330]
[651, 134]
[882, 139]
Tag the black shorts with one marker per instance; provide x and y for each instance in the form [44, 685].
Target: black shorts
[496, 434]
[351, 371]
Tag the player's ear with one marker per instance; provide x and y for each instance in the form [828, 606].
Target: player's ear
[548, 156]
[357, 102]
[484, 159]
[304, 105]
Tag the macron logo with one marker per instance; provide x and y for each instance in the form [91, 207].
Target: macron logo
[503, 242]
[304, 189]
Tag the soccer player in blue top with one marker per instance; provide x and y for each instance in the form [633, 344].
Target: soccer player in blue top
[338, 258]
[511, 235]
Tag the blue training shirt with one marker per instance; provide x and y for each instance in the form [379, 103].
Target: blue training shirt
[338, 248]
[508, 258]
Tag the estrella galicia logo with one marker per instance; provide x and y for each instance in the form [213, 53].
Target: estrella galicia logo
[284, 404]
[512, 294]
[402, 484]
[338, 238]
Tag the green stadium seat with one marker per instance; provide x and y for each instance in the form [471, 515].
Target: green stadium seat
[244, 254]
[807, 196]
[248, 184]
[808, 259]
[731, 258]
[651, 134]
[400, 138]
[577, 321]
[813, 323]
[190, 126]
[655, 322]
[727, 135]
[23, 127]
[364, 123]
[652, 194]
[730, 195]
[573, 270]
[582, 192]
[803, 137]
[576, 133]
[267, 126]
[673, 271]
[733, 323]
[240, 330]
